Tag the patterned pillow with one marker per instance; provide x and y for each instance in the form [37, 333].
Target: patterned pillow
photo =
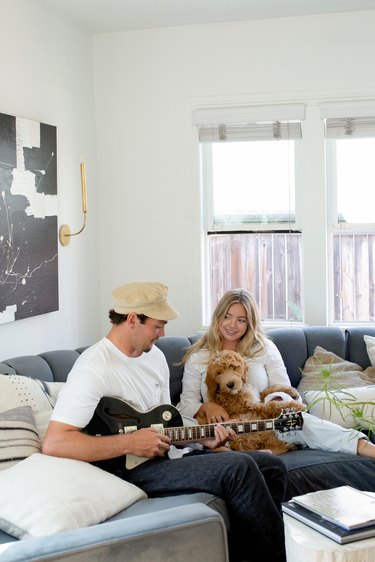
[40, 396]
[18, 436]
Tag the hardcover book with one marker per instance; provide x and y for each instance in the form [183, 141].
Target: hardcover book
[344, 506]
[325, 527]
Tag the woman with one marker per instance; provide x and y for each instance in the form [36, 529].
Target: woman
[236, 326]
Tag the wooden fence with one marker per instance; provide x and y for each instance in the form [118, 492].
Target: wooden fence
[270, 266]
[353, 275]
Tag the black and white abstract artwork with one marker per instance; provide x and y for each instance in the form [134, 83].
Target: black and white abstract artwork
[28, 219]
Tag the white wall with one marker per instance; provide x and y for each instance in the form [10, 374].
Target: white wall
[47, 75]
[145, 222]
[146, 84]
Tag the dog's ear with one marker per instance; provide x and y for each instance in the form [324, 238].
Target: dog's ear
[213, 367]
[209, 373]
[211, 387]
[210, 379]
[244, 373]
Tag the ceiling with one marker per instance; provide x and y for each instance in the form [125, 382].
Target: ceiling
[104, 16]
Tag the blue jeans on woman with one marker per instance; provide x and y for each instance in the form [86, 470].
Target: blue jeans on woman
[252, 484]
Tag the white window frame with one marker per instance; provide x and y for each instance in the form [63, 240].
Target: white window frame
[334, 225]
[317, 251]
[248, 114]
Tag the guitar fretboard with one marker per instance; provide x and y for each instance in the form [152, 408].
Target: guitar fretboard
[197, 432]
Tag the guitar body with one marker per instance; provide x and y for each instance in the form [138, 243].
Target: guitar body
[113, 415]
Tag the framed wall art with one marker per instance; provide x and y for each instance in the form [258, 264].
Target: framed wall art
[28, 219]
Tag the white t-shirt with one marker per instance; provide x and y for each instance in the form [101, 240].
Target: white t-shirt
[264, 370]
[103, 370]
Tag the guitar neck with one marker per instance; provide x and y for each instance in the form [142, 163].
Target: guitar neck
[198, 432]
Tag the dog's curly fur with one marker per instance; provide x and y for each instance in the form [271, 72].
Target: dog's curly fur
[227, 384]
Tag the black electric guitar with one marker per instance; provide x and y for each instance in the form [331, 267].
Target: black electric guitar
[113, 415]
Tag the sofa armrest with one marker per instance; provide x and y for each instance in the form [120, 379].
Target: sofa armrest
[188, 532]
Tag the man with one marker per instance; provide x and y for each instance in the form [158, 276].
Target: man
[126, 364]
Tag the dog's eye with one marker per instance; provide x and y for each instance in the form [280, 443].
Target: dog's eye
[217, 387]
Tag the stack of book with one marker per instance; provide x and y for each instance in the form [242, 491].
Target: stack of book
[343, 514]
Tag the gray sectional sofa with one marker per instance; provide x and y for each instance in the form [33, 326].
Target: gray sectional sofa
[192, 527]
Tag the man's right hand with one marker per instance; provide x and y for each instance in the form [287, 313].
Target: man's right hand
[147, 442]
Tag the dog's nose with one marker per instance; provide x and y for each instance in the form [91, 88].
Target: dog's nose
[230, 385]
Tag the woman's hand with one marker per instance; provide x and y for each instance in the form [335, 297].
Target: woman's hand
[213, 412]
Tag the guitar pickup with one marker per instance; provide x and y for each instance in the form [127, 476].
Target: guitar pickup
[128, 429]
[158, 426]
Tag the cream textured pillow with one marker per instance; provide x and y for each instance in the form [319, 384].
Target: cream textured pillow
[43, 495]
[344, 374]
[17, 390]
[370, 346]
[341, 414]
[18, 436]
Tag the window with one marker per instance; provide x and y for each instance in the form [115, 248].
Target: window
[246, 189]
[350, 150]
[249, 172]
[287, 200]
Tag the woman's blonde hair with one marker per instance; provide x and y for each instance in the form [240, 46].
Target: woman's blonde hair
[252, 342]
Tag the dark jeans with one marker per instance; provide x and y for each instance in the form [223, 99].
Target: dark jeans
[252, 484]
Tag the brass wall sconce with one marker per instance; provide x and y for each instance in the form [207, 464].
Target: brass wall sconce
[64, 232]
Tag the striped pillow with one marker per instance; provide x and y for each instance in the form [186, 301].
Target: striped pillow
[18, 436]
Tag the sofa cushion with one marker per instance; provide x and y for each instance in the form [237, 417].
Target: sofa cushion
[370, 347]
[291, 343]
[343, 374]
[154, 505]
[297, 344]
[183, 532]
[174, 348]
[57, 494]
[331, 338]
[41, 396]
[49, 366]
[310, 470]
[356, 347]
[18, 436]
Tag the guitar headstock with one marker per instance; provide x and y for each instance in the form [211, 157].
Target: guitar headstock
[288, 420]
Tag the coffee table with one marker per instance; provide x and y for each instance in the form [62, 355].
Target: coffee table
[304, 544]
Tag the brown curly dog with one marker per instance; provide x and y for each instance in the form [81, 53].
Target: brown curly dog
[227, 384]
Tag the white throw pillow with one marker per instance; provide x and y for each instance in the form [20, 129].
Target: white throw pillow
[320, 406]
[370, 346]
[43, 495]
[41, 396]
[18, 436]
